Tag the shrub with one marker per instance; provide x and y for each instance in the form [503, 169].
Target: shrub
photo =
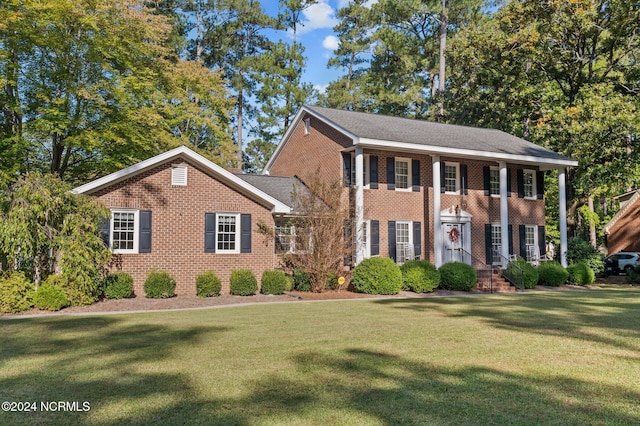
[579, 250]
[159, 285]
[273, 282]
[243, 282]
[457, 276]
[119, 285]
[377, 275]
[552, 274]
[522, 267]
[580, 273]
[633, 276]
[50, 298]
[332, 280]
[301, 280]
[420, 276]
[208, 284]
[288, 282]
[75, 295]
[16, 293]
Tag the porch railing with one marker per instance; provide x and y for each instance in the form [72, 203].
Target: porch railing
[481, 267]
[512, 273]
[404, 253]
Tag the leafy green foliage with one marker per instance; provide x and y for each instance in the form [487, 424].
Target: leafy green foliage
[552, 274]
[243, 282]
[288, 283]
[457, 276]
[420, 276]
[50, 298]
[301, 280]
[119, 285]
[208, 284]
[75, 294]
[159, 285]
[522, 270]
[580, 250]
[580, 273]
[377, 275]
[16, 293]
[273, 282]
[633, 275]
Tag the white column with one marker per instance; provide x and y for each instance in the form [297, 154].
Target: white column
[504, 213]
[437, 223]
[562, 191]
[359, 205]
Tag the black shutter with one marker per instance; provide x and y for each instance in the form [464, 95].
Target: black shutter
[486, 173]
[245, 233]
[415, 175]
[508, 182]
[144, 245]
[373, 167]
[542, 243]
[520, 176]
[105, 232]
[443, 187]
[391, 173]
[464, 177]
[346, 169]
[348, 243]
[209, 232]
[417, 239]
[488, 247]
[392, 240]
[523, 247]
[510, 232]
[540, 185]
[375, 238]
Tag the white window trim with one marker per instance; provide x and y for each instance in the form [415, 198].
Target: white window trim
[494, 169]
[496, 247]
[457, 166]
[534, 184]
[291, 236]
[237, 233]
[409, 187]
[535, 243]
[367, 238]
[136, 231]
[366, 171]
[176, 178]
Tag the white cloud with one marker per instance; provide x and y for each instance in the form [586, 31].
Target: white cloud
[318, 16]
[321, 88]
[330, 42]
[345, 3]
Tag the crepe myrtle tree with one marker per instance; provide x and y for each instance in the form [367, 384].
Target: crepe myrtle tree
[44, 227]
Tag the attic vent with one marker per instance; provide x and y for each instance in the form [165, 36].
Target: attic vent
[179, 175]
[307, 126]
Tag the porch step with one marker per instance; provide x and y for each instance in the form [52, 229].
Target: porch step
[492, 282]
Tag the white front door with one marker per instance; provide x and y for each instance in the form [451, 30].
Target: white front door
[454, 234]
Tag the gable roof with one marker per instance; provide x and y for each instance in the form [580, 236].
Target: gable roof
[404, 134]
[623, 209]
[228, 178]
[279, 187]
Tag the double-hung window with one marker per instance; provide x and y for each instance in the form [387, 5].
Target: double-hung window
[496, 243]
[403, 173]
[530, 242]
[366, 177]
[404, 243]
[494, 181]
[228, 233]
[451, 177]
[529, 183]
[124, 231]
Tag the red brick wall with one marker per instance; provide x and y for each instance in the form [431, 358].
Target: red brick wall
[178, 227]
[625, 233]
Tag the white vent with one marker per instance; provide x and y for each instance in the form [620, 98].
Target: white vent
[179, 175]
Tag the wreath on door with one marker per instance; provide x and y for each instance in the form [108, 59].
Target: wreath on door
[454, 234]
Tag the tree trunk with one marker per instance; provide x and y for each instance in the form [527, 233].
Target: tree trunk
[592, 225]
[444, 20]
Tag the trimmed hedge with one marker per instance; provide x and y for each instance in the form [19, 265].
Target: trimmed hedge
[16, 293]
[288, 283]
[377, 275]
[301, 280]
[119, 285]
[529, 271]
[208, 284]
[273, 282]
[552, 274]
[580, 273]
[457, 276]
[75, 295]
[159, 285]
[50, 298]
[420, 276]
[243, 282]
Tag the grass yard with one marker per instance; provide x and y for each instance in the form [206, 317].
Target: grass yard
[570, 358]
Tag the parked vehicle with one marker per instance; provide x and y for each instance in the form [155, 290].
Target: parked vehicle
[622, 261]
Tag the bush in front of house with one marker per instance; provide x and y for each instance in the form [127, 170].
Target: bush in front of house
[580, 250]
[521, 269]
[633, 275]
[457, 276]
[580, 273]
[301, 280]
[118, 285]
[273, 282]
[552, 274]
[243, 282]
[208, 284]
[288, 282]
[16, 293]
[73, 289]
[159, 285]
[332, 281]
[420, 276]
[377, 275]
[50, 298]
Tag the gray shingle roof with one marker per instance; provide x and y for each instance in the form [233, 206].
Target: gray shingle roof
[430, 134]
[279, 187]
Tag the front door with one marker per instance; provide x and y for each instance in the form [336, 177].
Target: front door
[454, 234]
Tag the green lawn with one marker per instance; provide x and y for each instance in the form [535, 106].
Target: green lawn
[538, 358]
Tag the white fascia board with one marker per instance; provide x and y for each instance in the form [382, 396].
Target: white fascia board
[228, 177]
[544, 163]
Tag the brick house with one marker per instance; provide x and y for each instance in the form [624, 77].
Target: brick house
[623, 230]
[428, 190]
[181, 213]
